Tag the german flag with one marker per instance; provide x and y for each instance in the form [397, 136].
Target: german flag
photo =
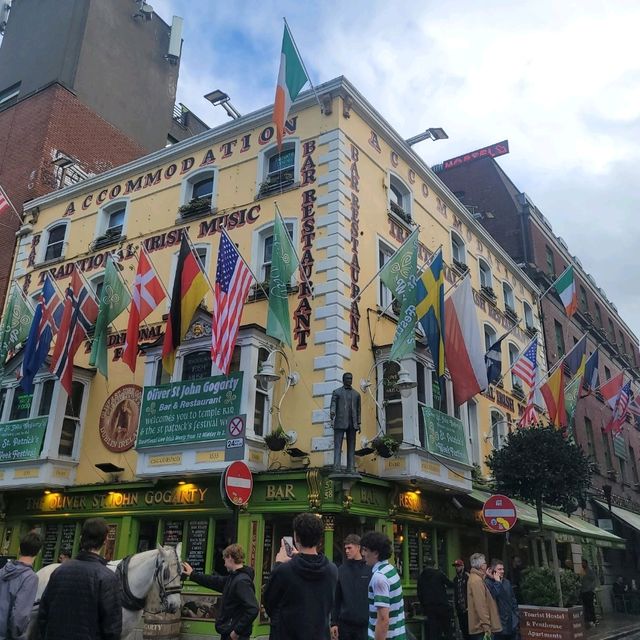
[189, 288]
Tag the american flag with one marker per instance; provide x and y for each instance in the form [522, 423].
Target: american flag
[620, 411]
[80, 313]
[530, 415]
[525, 366]
[233, 279]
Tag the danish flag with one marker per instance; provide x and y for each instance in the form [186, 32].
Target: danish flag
[80, 313]
[148, 293]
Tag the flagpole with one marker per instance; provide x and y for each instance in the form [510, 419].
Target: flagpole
[24, 297]
[553, 284]
[366, 286]
[126, 286]
[153, 266]
[253, 275]
[501, 378]
[202, 269]
[295, 46]
[304, 275]
[15, 211]
[564, 357]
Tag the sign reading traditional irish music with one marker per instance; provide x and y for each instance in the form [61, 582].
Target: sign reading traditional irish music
[22, 439]
[192, 411]
[444, 435]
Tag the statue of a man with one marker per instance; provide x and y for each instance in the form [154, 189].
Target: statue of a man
[345, 419]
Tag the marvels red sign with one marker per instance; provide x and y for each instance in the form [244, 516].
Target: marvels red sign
[492, 151]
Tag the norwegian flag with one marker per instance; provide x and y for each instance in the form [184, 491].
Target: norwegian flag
[80, 313]
[525, 365]
[147, 294]
[530, 415]
[634, 406]
[233, 280]
[45, 325]
[620, 411]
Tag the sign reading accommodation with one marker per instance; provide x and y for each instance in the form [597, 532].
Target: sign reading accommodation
[22, 439]
[444, 435]
[193, 411]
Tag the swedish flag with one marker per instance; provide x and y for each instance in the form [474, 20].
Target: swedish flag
[430, 309]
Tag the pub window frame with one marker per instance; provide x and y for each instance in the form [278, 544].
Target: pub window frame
[193, 179]
[261, 236]
[46, 241]
[104, 217]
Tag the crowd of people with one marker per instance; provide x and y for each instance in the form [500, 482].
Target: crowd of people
[306, 597]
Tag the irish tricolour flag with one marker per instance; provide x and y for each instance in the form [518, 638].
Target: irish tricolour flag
[565, 285]
[291, 78]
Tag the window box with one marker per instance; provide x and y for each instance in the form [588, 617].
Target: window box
[111, 237]
[400, 212]
[531, 331]
[460, 267]
[511, 314]
[489, 294]
[518, 391]
[275, 183]
[195, 207]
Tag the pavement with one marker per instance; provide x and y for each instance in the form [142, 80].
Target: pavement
[613, 626]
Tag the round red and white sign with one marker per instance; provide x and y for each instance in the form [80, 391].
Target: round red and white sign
[238, 482]
[499, 513]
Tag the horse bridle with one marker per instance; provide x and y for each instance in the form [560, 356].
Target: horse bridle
[162, 577]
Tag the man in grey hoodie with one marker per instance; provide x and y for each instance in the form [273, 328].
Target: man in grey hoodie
[18, 587]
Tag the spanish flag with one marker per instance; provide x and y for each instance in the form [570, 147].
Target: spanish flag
[553, 393]
[189, 288]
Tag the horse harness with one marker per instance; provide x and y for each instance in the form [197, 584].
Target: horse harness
[161, 576]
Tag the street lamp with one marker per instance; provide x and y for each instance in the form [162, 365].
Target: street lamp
[222, 99]
[404, 384]
[434, 133]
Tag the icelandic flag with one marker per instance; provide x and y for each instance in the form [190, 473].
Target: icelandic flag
[46, 322]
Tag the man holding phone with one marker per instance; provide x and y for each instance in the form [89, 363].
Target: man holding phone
[298, 596]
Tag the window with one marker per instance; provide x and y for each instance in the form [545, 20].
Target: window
[261, 409]
[392, 400]
[623, 469]
[486, 281]
[203, 255]
[607, 373]
[277, 170]
[422, 377]
[551, 267]
[457, 250]
[489, 336]
[622, 345]
[203, 189]
[528, 315]
[161, 376]
[612, 331]
[46, 395]
[513, 356]
[265, 247]
[20, 405]
[71, 421]
[591, 450]
[387, 301]
[196, 365]
[606, 445]
[498, 429]
[198, 192]
[96, 284]
[596, 306]
[399, 198]
[584, 307]
[112, 221]
[509, 301]
[10, 95]
[55, 241]
[474, 440]
[634, 465]
[559, 338]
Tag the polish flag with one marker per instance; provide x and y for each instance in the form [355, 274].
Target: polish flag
[464, 348]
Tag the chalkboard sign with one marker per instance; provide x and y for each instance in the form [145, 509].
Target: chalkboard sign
[442, 553]
[427, 550]
[50, 544]
[414, 552]
[197, 532]
[68, 535]
[172, 532]
[397, 557]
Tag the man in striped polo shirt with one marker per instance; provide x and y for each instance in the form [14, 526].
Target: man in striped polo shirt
[386, 603]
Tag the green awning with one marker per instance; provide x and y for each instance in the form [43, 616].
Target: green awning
[627, 517]
[572, 528]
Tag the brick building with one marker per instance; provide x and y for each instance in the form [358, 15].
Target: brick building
[524, 232]
[72, 103]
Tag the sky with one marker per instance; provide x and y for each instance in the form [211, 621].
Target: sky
[559, 80]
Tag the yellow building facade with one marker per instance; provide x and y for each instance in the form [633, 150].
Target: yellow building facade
[350, 191]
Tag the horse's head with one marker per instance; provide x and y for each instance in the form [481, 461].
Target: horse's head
[168, 573]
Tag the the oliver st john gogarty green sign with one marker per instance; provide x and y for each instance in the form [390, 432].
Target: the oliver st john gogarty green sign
[22, 439]
[444, 435]
[193, 411]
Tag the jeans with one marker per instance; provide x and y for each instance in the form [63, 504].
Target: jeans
[589, 606]
[347, 631]
[463, 623]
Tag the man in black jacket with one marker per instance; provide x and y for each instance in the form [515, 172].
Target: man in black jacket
[83, 600]
[239, 604]
[460, 598]
[432, 593]
[350, 616]
[300, 591]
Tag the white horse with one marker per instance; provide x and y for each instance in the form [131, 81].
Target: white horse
[158, 570]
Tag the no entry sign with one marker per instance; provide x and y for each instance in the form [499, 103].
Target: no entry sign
[238, 483]
[499, 513]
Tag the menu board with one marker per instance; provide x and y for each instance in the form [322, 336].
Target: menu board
[197, 533]
[172, 532]
[414, 552]
[427, 550]
[68, 535]
[50, 543]
[442, 553]
[266, 563]
[397, 557]
[110, 544]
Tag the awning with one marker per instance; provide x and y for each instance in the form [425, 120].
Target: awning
[571, 529]
[627, 517]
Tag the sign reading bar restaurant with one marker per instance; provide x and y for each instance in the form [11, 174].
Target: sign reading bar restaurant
[193, 411]
[22, 439]
[444, 435]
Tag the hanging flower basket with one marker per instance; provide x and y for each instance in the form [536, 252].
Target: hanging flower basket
[385, 446]
[277, 440]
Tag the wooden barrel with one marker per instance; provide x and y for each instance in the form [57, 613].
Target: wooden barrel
[161, 626]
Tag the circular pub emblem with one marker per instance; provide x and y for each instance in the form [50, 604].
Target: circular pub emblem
[119, 418]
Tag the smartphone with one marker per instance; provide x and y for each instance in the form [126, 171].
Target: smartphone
[288, 545]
